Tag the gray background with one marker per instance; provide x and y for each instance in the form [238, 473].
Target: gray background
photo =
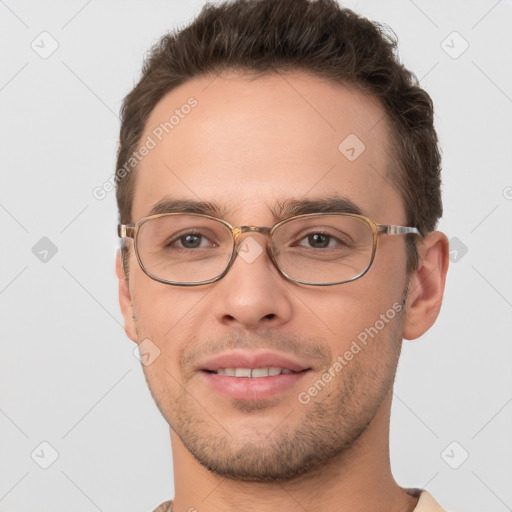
[68, 373]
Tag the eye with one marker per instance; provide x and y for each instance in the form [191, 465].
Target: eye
[319, 240]
[190, 241]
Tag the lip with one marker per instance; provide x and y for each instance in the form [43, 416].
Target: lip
[252, 389]
[252, 360]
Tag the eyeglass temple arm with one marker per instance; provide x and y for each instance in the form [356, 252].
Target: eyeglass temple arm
[125, 231]
[398, 230]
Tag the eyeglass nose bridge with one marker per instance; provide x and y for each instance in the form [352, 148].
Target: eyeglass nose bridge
[262, 230]
[240, 230]
[250, 229]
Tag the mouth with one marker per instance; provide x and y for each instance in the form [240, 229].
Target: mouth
[250, 377]
[253, 373]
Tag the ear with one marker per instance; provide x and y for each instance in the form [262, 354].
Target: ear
[125, 300]
[426, 285]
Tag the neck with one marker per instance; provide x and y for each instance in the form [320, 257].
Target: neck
[359, 479]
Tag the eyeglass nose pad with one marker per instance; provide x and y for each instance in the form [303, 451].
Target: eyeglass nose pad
[248, 248]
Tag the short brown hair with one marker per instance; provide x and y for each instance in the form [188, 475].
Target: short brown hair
[315, 36]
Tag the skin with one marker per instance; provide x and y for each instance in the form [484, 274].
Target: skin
[247, 145]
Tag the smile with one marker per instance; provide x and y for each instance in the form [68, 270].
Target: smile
[253, 372]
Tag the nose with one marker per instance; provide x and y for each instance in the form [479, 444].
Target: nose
[253, 294]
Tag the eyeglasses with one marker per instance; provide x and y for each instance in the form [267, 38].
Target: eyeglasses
[318, 249]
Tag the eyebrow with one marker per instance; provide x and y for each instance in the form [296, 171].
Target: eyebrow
[331, 204]
[282, 210]
[187, 206]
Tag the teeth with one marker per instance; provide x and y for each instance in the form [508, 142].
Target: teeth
[259, 372]
[253, 372]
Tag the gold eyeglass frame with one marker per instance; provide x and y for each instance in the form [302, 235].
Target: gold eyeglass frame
[125, 231]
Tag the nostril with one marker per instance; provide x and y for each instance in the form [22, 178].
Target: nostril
[270, 316]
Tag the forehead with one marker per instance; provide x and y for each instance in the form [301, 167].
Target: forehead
[249, 143]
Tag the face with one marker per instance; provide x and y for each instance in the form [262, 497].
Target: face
[248, 147]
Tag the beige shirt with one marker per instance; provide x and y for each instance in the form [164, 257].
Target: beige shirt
[426, 503]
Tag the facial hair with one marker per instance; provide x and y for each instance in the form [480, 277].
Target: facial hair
[330, 424]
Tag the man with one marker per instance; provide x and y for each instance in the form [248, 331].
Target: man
[279, 186]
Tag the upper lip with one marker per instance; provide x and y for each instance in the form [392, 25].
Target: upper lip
[251, 360]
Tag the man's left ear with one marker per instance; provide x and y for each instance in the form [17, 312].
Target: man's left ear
[426, 285]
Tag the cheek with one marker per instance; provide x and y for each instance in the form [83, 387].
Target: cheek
[353, 310]
[170, 317]
[160, 308]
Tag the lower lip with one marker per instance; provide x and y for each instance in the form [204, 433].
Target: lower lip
[253, 388]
